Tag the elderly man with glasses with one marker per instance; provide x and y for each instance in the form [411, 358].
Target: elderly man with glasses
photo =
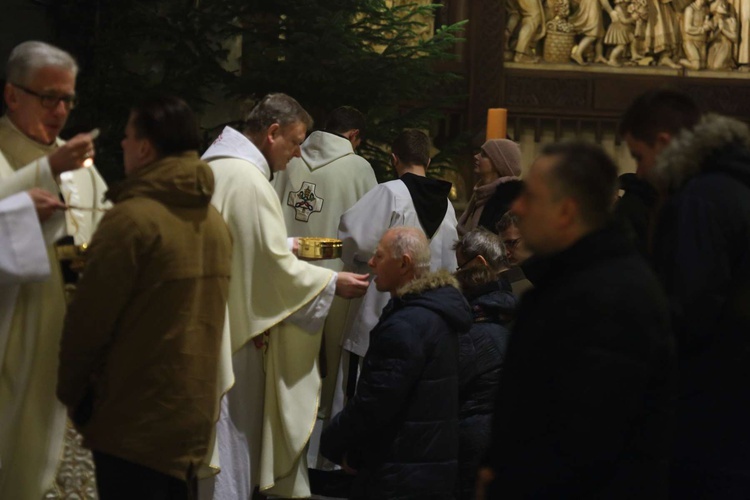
[39, 94]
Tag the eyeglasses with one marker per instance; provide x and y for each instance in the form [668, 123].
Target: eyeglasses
[51, 101]
[466, 263]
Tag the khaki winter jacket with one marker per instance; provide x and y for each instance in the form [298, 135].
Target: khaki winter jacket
[140, 348]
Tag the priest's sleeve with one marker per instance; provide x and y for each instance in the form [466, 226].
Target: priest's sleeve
[35, 174]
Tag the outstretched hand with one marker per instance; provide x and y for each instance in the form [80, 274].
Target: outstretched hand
[73, 153]
[351, 285]
[45, 203]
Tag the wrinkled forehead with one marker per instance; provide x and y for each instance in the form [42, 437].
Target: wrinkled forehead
[53, 79]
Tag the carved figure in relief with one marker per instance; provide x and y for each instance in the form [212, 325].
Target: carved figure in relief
[723, 37]
[696, 26]
[741, 11]
[638, 10]
[621, 33]
[662, 32]
[589, 21]
[529, 14]
[513, 12]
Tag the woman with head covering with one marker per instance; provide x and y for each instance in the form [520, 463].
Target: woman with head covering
[498, 165]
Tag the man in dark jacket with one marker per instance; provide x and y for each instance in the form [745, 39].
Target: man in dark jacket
[140, 348]
[584, 402]
[701, 251]
[400, 431]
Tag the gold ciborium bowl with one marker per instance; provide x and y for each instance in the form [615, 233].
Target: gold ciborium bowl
[319, 248]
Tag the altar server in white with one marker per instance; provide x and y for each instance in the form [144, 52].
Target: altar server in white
[276, 302]
[39, 94]
[411, 200]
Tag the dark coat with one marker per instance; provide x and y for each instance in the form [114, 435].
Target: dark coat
[400, 431]
[499, 203]
[584, 406]
[480, 359]
[634, 212]
[702, 254]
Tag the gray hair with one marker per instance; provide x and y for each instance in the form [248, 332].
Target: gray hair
[29, 57]
[482, 242]
[276, 108]
[413, 242]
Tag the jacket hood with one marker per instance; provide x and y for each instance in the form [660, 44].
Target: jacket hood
[181, 180]
[439, 292]
[322, 148]
[694, 151]
[430, 198]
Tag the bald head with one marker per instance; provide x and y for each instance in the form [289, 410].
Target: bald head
[403, 254]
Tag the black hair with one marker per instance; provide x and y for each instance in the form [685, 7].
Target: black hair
[168, 122]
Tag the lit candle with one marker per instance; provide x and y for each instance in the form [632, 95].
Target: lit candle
[497, 123]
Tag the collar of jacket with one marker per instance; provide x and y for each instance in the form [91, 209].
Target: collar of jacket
[179, 180]
[601, 244]
[693, 151]
[429, 281]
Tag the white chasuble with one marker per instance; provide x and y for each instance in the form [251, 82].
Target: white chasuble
[32, 421]
[267, 416]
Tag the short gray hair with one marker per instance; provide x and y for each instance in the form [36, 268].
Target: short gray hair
[276, 108]
[482, 242]
[413, 242]
[29, 57]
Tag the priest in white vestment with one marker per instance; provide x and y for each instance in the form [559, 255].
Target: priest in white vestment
[277, 305]
[411, 200]
[315, 190]
[39, 94]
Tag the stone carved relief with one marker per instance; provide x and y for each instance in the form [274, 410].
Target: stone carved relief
[696, 35]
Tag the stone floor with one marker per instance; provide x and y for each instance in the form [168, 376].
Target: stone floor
[75, 475]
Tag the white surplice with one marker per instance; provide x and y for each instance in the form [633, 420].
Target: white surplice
[267, 416]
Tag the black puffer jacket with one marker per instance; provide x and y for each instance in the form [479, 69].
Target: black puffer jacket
[480, 358]
[400, 431]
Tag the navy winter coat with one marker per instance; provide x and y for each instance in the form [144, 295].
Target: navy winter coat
[480, 359]
[702, 254]
[400, 431]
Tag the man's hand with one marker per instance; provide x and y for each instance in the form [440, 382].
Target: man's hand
[72, 154]
[484, 477]
[45, 203]
[351, 286]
